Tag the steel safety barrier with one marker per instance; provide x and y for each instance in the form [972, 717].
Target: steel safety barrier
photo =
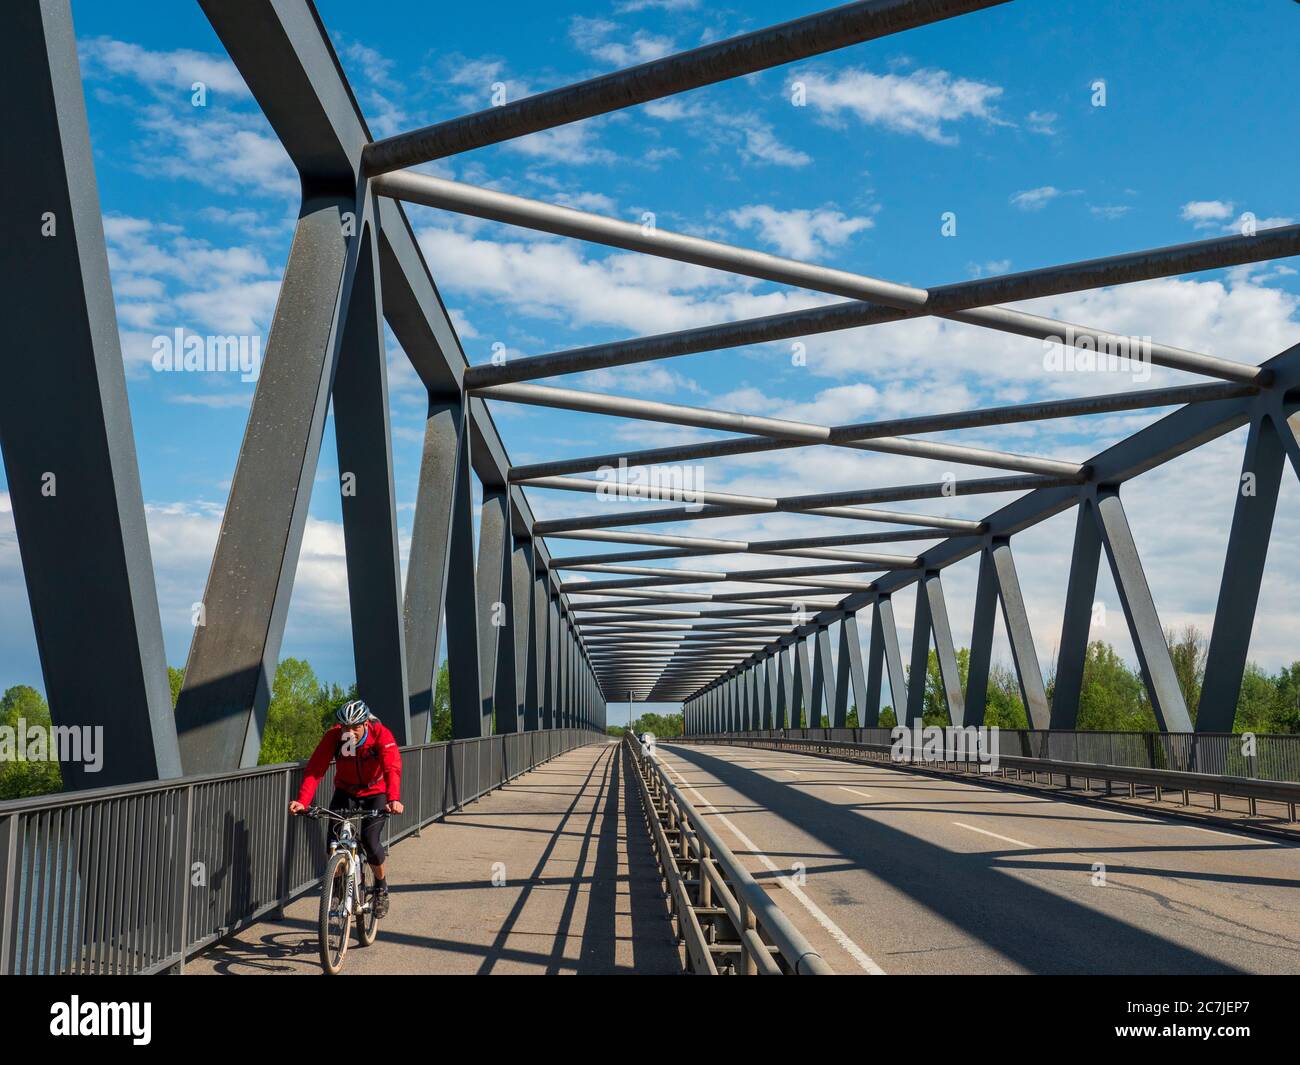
[1256, 756]
[729, 924]
[135, 879]
[949, 754]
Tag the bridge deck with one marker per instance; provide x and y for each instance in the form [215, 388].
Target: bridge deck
[908, 873]
[576, 899]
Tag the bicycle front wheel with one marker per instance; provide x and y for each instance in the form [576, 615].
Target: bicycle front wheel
[335, 920]
[367, 922]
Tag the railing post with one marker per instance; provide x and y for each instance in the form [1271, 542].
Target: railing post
[8, 888]
[182, 929]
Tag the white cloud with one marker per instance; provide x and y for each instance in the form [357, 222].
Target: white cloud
[609, 42]
[1203, 213]
[172, 73]
[919, 103]
[749, 133]
[801, 234]
[1042, 122]
[1109, 211]
[1035, 199]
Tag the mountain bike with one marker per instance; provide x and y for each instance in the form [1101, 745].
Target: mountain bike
[347, 888]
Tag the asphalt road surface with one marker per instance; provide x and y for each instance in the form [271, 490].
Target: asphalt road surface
[891, 871]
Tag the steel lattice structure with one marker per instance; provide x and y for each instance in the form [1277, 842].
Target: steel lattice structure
[355, 264]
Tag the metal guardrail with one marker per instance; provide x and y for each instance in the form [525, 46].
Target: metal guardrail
[1275, 756]
[136, 879]
[1253, 791]
[730, 925]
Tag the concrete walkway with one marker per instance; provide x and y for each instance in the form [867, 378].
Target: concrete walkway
[578, 895]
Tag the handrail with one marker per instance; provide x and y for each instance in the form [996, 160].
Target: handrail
[135, 879]
[728, 915]
[1253, 789]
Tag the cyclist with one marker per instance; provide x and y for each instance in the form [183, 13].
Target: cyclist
[368, 775]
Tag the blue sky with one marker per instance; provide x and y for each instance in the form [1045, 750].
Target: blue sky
[991, 116]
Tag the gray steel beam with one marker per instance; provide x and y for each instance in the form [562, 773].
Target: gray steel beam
[491, 576]
[430, 553]
[719, 61]
[802, 686]
[1141, 399]
[949, 675]
[536, 715]
[521, 615]
[65, 423]
[824, 678]
[849, 672]
[827, 504]
[1213, 254]
[1080, 596]
[566, 221]
[918, 669]
[804, 433]
[1020, 635]
[1243, 571]
[981, 642]
[883, 622]
[462, 611]
[1140, 612]
[233, 658]
[365, 457]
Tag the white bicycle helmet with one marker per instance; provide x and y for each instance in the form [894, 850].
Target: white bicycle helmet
[352, 713]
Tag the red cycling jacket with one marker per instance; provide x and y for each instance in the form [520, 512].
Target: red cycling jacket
[374, 766]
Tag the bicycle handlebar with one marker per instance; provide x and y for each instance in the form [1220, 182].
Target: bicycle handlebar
[342, 815]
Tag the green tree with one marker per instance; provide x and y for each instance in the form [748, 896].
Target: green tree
[1113, 697]
[301, 709]
[1004, 707]
[21, 779]
[662, 725]
[175, 678]
[1187, 650]
[440, 730]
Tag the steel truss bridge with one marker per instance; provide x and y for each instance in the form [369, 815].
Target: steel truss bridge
[536, 686]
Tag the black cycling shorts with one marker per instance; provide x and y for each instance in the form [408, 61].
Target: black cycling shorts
[372, 828]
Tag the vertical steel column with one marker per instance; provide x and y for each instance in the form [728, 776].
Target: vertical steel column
[1140, 611]
[430, 552]
[535, 716]
[981, 642]
[918, 671]
[949, 675]
[552, 713]
[1243, 572]
[65, 425]
[521, 560]
[461, 601]
[1080, 594]
[1023, 654]
[365, 456]
[824, 679]
[850, 670]
[493, 610]
[785, 708]
[803, 685]
[234, 654]
[885, 651]
[770, 692]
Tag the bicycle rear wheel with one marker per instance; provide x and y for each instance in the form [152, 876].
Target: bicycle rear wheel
[335, 921]
[367, 923]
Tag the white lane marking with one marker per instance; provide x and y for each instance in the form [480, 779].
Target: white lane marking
[854, 791]
[794, 771]
[837, 933]
[986, 832]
